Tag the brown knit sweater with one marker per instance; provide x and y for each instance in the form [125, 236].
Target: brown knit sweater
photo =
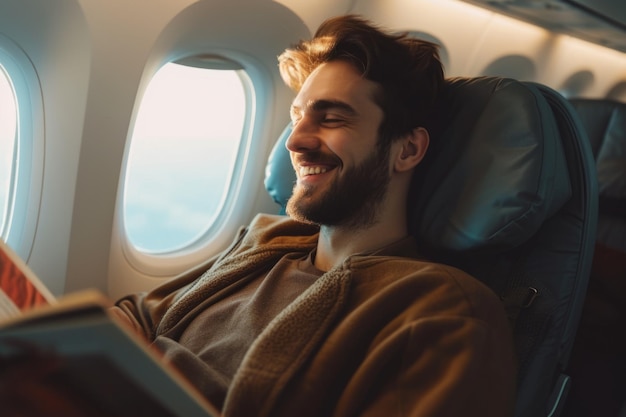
[384, 334]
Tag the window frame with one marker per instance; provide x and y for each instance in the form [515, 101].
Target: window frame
[165, 264]
[5, 221]
[27, 182]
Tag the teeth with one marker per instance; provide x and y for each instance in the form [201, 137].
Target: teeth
[312, 170]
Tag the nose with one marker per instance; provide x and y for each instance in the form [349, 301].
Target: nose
[304, 136]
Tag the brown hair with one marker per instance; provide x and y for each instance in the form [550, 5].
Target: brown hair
[408, 70]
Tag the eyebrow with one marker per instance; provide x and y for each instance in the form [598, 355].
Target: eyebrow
[322, 105]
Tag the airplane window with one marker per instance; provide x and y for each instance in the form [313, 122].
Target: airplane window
[21, 148]
[182, 153]
[8, 135]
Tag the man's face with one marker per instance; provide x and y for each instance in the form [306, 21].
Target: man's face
[342, 175]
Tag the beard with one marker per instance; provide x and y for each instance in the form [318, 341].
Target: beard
[352, 201]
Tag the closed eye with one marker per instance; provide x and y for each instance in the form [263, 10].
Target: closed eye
[326, 113]
[332, 121]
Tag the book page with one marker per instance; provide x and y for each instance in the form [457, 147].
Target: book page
[20, 289]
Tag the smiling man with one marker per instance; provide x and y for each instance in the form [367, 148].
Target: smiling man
[350, 183]
[333, 311]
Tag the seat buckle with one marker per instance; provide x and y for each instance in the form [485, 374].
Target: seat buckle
[530, 297]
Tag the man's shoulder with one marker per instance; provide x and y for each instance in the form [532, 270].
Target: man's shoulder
[421, 276]
[413, 266]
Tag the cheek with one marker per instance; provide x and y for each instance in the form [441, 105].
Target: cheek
[353, 149]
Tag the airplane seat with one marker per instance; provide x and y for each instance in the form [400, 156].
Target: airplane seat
[605, 123]
[507, 193]
[598, 360]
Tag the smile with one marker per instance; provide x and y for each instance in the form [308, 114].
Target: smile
[312, 170]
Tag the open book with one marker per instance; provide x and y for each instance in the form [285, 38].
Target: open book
[100, 357]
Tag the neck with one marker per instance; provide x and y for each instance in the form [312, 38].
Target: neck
[337, 243]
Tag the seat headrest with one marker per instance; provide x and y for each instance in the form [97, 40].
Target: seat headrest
[495, 169]
[279, 174]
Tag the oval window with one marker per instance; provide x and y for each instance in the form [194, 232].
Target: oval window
[21, 148]
[8, 148]
[182, 153]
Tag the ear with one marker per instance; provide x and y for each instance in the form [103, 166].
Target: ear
[411, 149]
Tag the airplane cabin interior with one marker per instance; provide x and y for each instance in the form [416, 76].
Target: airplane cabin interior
[137, 137]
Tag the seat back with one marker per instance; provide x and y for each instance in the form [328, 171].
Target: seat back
[506, 193]
[598, 363]
[605, 123]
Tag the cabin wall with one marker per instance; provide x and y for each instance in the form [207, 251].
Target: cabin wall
[477, 42]
[172, 31]
[54, 36]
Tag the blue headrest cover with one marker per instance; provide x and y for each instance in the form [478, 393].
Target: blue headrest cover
[279, 174]
[495, 168]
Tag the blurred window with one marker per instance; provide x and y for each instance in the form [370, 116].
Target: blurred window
[8, 149]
